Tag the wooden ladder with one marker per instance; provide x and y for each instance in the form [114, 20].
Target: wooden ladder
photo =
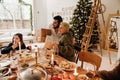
[89, 28]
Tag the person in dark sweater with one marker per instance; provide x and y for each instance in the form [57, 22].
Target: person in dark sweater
[113, 74]
[17, 41]
[65, 45]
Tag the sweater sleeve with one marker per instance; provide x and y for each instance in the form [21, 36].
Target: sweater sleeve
[110, 75]
[65, 47]
[7, 49]
[23, 46]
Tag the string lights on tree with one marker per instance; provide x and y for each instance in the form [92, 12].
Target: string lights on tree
[79, 19]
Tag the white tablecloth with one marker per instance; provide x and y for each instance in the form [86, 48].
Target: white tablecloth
[40, 45]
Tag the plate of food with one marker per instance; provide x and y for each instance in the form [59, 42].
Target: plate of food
[27, 57]
[5, 56]
[67, 66]
[82, 77]
[4, 71]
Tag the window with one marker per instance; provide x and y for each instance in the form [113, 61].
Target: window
[16, 14]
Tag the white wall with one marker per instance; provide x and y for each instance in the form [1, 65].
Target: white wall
[60, 7]
[111, 7]
[46, 9]
[40, 13]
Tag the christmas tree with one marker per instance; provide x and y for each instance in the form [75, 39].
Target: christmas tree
[80, 18]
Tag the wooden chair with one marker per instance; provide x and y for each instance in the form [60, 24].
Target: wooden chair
[44, 33]
[77, 49]
[91, 58]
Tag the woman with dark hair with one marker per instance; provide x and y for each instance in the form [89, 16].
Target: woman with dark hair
[14, 45]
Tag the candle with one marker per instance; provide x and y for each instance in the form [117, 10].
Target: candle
[36, 53]
[36, 57]
[19, 48]
[52, 59]
[36, 49]
[75, 72]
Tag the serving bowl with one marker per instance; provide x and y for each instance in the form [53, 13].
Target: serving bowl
[35, 72]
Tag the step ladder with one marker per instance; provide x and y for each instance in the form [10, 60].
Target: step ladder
[89, 26]
[89, 29]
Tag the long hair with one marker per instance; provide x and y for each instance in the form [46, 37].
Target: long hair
[20, 36]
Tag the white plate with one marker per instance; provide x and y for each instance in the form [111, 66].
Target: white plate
[3, 68]
[4, 63]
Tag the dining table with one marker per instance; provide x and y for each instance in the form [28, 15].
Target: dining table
[54, 65]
